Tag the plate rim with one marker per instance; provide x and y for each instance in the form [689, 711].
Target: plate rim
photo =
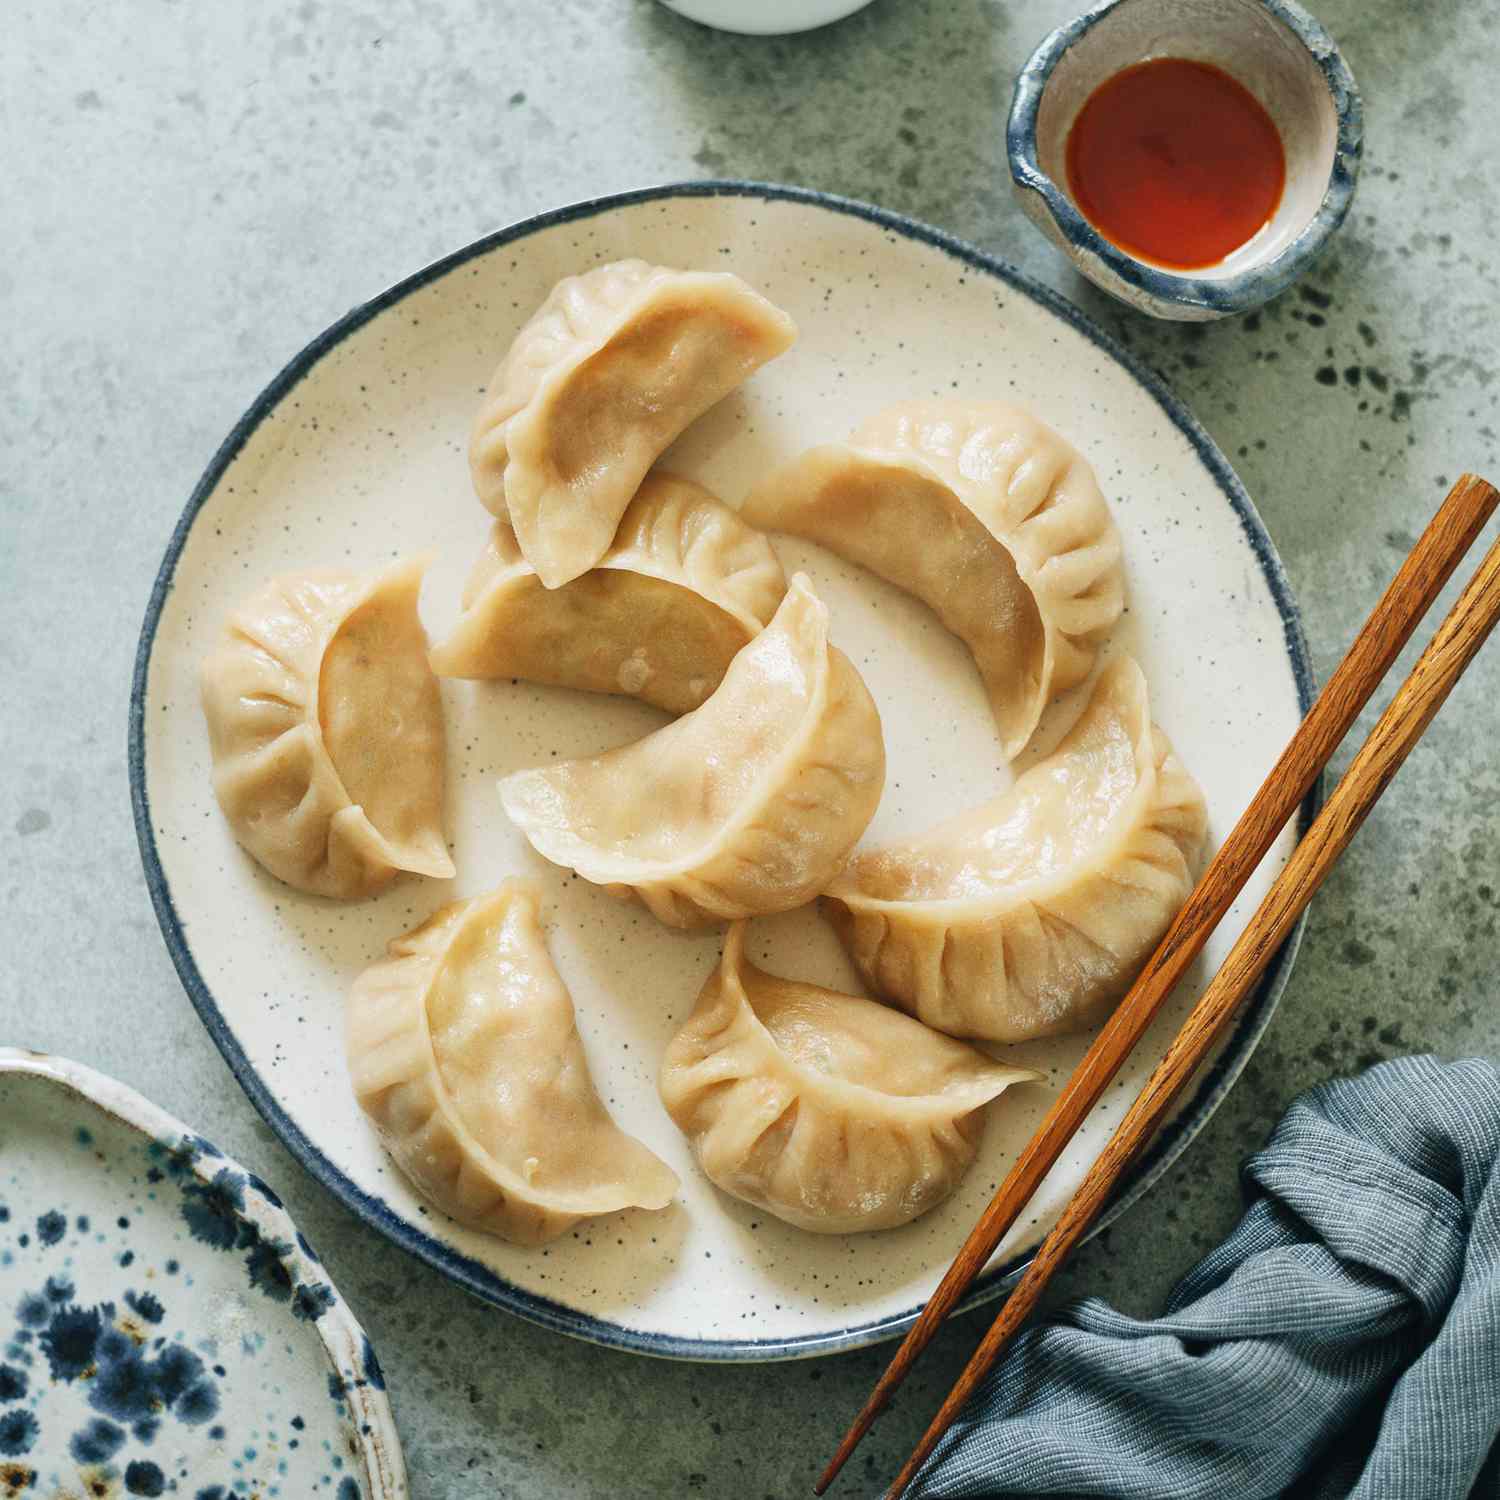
[473, 1276]
[369, 1403]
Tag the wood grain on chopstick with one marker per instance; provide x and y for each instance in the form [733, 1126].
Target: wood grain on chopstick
[1460, 636]
[1418, 581]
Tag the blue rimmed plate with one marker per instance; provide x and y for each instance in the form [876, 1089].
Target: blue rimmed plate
[166, 1329]
[356, 453]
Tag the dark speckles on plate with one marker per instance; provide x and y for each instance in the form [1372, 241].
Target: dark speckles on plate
[145, 1305]
[180, 1380]
[18, 1432]
[266, 1192]
[144, 1478]
[16, 1479]
[373, 1372]
[266, 1263]
[175, 1160]
[311, 1301]
[32, 1311]
[213, 1210]
[69, 1340]
[97, 1443]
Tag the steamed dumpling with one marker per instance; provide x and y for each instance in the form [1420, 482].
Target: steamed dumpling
[326, 729]
[985, 515]
[1028, 916]
[464, 1053]
[605, 376]
[749, 804]
[682, 588]
[834, 1113]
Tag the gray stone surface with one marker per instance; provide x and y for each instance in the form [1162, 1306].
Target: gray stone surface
[191, 191]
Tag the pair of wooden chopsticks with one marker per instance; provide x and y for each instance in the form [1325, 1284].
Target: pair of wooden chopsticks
[1417, 583]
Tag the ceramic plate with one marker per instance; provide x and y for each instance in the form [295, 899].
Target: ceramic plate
[166, 1328]
[356, 455]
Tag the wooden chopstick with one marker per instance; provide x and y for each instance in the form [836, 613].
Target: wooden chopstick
[1419, 580]
[1460, 636]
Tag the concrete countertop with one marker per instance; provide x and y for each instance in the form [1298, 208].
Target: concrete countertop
[191, 192]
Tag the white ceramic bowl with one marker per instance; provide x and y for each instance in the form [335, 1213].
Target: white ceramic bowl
[1273, 47]
[765, 17]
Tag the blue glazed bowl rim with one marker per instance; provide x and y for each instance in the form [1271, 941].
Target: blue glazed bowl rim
[471, 1274]
[1254, 285]
[356, 1370]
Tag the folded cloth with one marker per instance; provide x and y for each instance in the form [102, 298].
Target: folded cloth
[1343, 1341]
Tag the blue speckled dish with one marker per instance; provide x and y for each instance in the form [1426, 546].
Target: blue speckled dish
[164, 1328]
[1275, 48]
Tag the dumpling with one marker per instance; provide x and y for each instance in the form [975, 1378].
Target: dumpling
[985, 515]
[749, 804]
[605, 376]
[464, 1053]
[1030, 915]
[682, 588]
[834, 1113]
[326, 728]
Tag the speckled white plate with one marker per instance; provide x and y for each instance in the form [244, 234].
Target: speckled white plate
[166, 1329]
[356, 454]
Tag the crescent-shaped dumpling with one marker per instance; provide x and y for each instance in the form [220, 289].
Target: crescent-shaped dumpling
[988, 517]
[749, 804]
[326, 728]
[684, 585]
[834, 1113]
[1029, 915]
[464, 1052]
[601, 380]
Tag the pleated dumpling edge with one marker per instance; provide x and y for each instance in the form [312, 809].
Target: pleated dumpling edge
[1027, 916]
[748, 805]
[684, 585]
[616, 363]
[465, 1055]
[985, 514]
[326, 730]
[835, 1113]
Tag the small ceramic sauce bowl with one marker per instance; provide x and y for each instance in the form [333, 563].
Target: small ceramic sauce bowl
[1277, 51]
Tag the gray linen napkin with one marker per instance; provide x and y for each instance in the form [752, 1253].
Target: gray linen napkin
[1343, 1341]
